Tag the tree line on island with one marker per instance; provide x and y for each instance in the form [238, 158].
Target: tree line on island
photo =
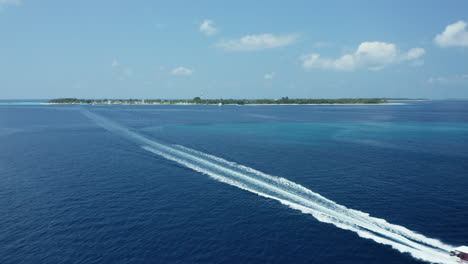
[198, 100]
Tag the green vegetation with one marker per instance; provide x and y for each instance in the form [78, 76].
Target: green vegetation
[198, 100]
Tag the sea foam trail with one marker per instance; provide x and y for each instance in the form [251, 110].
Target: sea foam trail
[291, 194]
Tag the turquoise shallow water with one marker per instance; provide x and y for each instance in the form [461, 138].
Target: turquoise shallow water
[431, 137]
[79, 190]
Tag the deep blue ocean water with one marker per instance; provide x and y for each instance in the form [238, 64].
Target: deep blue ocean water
[74, 192]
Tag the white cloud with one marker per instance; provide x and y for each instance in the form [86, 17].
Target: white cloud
[417, 63]
[454, 34]
[369, 55]
[257, 42]
[321, 44]
[208, 28]
[181, 71]
[128, 72]
[414, 53]
[125, 74]
[449, 80]
[10, 2]
[432, 80]
[115, 63]
[269, 76]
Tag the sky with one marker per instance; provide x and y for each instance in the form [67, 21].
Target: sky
[233, 49]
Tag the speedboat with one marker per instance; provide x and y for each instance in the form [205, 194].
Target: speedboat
[461, 253]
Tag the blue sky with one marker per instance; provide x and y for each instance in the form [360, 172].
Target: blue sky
[235, 49]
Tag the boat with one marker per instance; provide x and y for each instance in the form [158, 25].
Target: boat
[461, 253]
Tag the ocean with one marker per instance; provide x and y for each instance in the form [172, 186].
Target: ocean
[233, 184]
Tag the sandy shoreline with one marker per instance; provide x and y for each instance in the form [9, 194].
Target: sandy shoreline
[224, 104]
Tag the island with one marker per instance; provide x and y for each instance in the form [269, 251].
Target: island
[200, 101]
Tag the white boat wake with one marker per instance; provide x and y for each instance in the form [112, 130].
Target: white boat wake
[291, 194]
